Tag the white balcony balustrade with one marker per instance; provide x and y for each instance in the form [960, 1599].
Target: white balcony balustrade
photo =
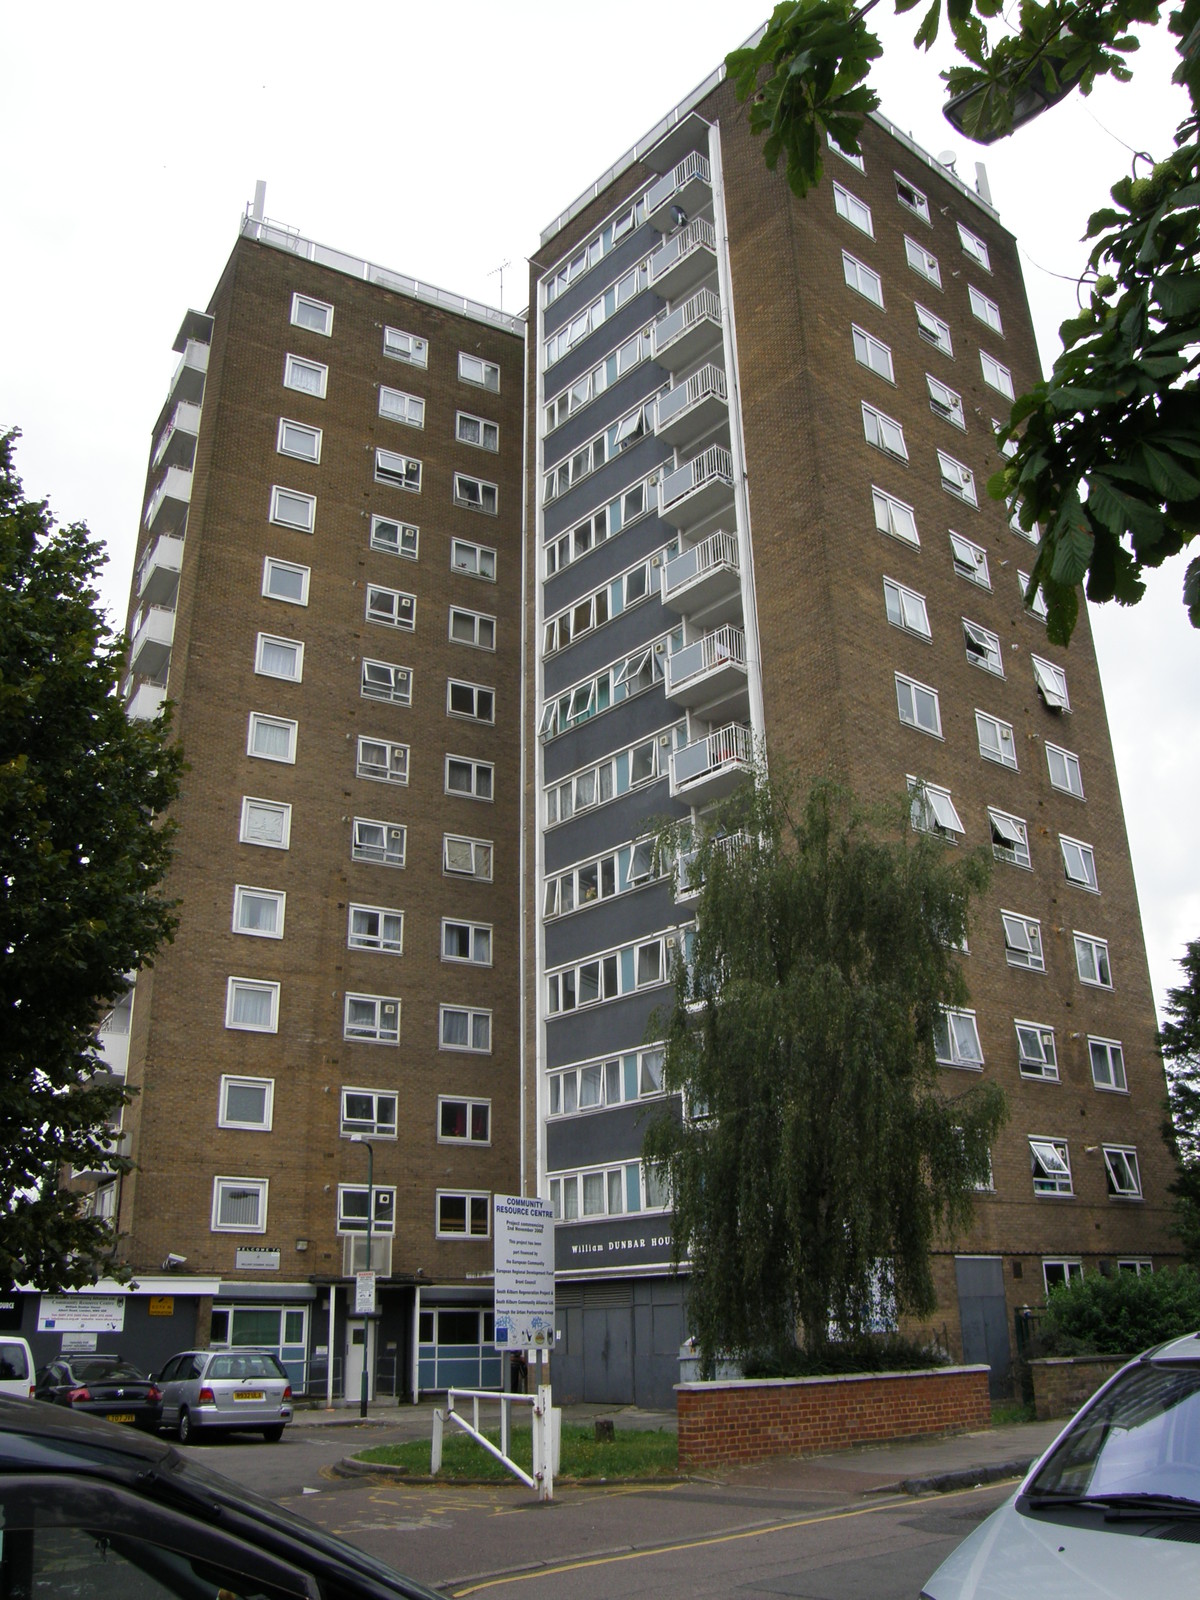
[146, 702]
[159, 569]
[153, 636]
[688, 880]
[688, 186]
[701, 489]
[711, 672]
[176, 446]
[711, 766]
[705, 578]
[187, 382]
[688, 333]
[684, 259]
[693, 408]
[167, 508]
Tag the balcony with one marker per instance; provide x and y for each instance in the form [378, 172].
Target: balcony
[158, 573]
[710, 767]
[98, 1167]
[168, 506]
[688, 186]
[146, 702]
[688, 881]
[684, 259]
[153, 635]
[176, 445]
[188, 381]
[699, 490]
[711, 673]
[689, 333]
[689, 410]
[196, 325]
[113, 1038]
[707, 578]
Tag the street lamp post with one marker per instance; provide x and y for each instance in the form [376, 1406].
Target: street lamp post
[357, 1138]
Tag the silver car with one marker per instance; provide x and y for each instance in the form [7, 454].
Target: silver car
[206, 1391]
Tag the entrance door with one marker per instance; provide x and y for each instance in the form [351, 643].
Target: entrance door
[608, 1353]
[357, 1344]
[983, 1313]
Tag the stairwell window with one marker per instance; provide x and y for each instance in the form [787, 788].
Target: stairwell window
[285, 580]
[258, 912]
[271, 738]
[307, 377]
[239, 1205]
[291, 509]
[265, 822]
[279, 658]
[296, 439]
[252, 1005]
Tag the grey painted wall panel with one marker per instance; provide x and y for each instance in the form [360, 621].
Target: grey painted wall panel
[640, 384]
[610, 730]
[634, 314]
[604, 1029]
[601, 487]
[592, 285]
[610, 825]
[610, 923]
[604, 562]
[644, 622]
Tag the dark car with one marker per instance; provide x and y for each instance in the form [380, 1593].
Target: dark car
[106, 1513]
[102, 1386]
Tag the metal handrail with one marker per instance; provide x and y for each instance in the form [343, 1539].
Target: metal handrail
[715, 462]
[696, 235]
[692, 166]
[709, 380]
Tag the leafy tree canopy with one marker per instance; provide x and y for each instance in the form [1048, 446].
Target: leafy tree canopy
[1108, 447]
[821, 1146]
[1180, 1040]
[82, 859]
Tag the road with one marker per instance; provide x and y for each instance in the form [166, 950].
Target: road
[792, 1529]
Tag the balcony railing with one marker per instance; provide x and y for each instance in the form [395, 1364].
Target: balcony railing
[714, 763]
[158, 573]
[168, 505]
[684, 259]
[146, 702]
[689, 331]
[688, 881]
[177, 442]
[712, 666]
[188, 380]
[699, 489]
[703, 572]
[685, 185]
[692, 407]
[153, 636]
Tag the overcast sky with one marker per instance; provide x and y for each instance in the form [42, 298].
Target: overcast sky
[440, 140]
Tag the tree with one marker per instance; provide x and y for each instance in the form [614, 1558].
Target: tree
[1107, 459]
[83, 856]
[1180, 1041]
[820, 1146]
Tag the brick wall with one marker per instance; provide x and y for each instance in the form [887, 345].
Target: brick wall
[1062, 1383]
[738, 1422]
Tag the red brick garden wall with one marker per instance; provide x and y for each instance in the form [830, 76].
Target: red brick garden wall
[741, 1421]
[1061, 1383]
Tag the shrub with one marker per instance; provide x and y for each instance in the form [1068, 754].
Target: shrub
[1121, 1315]
[882, 1353]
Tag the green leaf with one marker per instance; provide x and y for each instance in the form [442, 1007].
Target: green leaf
[1191, 591]
[1167, 472]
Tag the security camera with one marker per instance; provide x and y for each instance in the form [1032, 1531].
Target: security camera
[173, 1261]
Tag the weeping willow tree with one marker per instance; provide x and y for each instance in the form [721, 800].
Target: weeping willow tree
[821, 1148]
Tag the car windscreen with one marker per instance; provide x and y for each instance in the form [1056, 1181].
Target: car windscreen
[12, 1360]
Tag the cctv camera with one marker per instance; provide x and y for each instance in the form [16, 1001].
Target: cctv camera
[173, 1261]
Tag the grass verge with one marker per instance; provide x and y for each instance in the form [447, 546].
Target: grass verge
[632, 1453]
[1006, 1411]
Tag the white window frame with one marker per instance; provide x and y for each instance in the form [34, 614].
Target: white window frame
[296, 646]
[294, 365]
[1075, 851]
[906, 608]
[260, 719]
[477, 932]
[375, 1126]
[914, 200]
[884, 432]
[244, 891]
[307, 502]
[398, 405]
[400, 611]
[1072, 1270]
[1002, 822]
[383, 1031]
[923, 262]
[398, 470]
[853, 210]
[970, 560]
[974, 247]
[292, 433]
[391, 853]
[1140, 1266]
[258, 985]
[451, 841]
[1023, 941]
[468, 1230]
[277, 564]
[312, 304]
[918, 706]
[1037, 606]
[474, 1015]
[1087, 945]
[1051, 684]
[855, 161]
[997, 376]
[476, 494]
[985, 310]
[1122, 1171]
[1112, 1078]
[469, 1105]
[481, 626]
[961, 1047]
[483, 374]
[478, 768]
[934, 330]
[472, 568]
[278, 808]
[382, 1199]
[386, 940]
[894, 518]
[1070, 767]
[1037, 1054]
[931, 809]
[487, 440]
[415, 353]
[957, 479]
[983, 648]
[260, 1186]
[945, 402]
[386, 681]
[862, 279]
[1050, 1160]
[240, 1080]
[872, 353]
[996, 741]
[394, 769]
[405, 543]
[481, 698]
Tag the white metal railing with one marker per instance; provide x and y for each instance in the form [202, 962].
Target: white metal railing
[195, 355]
[709, 380]
[720, 549]
[715, 462]
[186, 419]
[176, 485]
[704, 303]
[692, 166]
[546, 1433]
[166, 551]
[724, 746]
[723, 647]
[698, 234]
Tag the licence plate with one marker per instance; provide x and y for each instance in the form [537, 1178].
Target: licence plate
[249, 1394]
[119, 1416]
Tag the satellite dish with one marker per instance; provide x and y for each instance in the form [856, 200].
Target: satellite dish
[947, 158]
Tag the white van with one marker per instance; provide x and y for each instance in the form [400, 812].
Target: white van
[16, 1366]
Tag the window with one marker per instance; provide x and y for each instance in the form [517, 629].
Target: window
[463, 1215]
[997, 375]
[472, 370]
[403, 472]
[1023, 941]
[934, 330]
[918, 705]
[380, 842]
[1038, 604]
[258, 912]
[1137, 1265]
[467, 941]
[996, 741]
[279, 658]
[382, 680]
[911, 197]
[883, 432]
[467, 777]
[467, 858]
[471, 700]
[1035, 1049]
[372, 1018]
[634, 1076]
[252, 1006]
[405, 347]
[1091, 961]
[271, 738]
[1010, 839]
[375, 928]
[956, 1039]
[983, 648]
[894, 517]
[246, 1103]
[398, 406]
[285, 580]
[463, 1029]
[1065, 773]
[1108, 1065]
[239, 1205]
[1031, 534]
[315, 315]
[472, 627]
[607, 1192]
[1121, 1167]
[394, 538]
[922, 261]
[957, 479]
[369, 1111]
[291, 509]
[464, 1121]
[391, 607]
[860, 277]
[975, 247]
[473, 560]
[1080, 863]
[986, 310]
[475, 494]
[1051, 1166]
[295, 439]
[905, 608]
[476, 431]
[855, 161]
[1052, 684]
[308, 377]
[380, 758]
[944, 402]
[852, 209]
[265, 822]
[873, 353]
[352, 1208]
[1055, 1274]
[932, 810]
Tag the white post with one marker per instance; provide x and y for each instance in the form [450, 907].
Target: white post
[329, 1346]
[505, 1414]
[416, 1339]
[435, 1454]
[543, 1448]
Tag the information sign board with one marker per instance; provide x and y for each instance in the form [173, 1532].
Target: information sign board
[523, 1231]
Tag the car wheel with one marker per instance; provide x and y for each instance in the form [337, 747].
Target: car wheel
[273, 1434]
[186, 1431]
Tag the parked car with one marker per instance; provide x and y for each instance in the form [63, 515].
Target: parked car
[109, 1512]
[204, 1391]
[103, 1386]
[1112, 1508]
[16, 1366]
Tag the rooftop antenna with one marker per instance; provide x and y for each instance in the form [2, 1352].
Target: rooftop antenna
[260, 200]
[500, 270]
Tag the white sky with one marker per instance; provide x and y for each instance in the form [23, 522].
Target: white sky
[439, 140]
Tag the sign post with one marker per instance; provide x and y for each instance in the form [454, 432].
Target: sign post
[523, 1231]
